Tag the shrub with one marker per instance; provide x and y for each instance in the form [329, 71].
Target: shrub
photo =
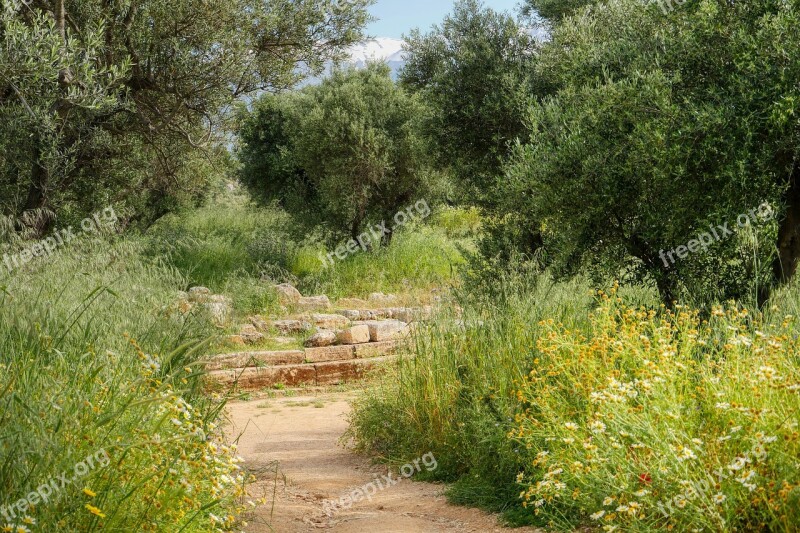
[100, 380]
[657, 421]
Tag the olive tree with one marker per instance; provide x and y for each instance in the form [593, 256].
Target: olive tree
[106, 100]
[662, 125]
[343, 154]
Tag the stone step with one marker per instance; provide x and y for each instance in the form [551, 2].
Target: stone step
[406, 314]
[256, 359]
[296, 357]
[314, 374]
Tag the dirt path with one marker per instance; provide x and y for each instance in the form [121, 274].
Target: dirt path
[302, 434]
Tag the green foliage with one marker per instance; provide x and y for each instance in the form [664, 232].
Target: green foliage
[659, 126]
[109, 102]
[344, 154]
[473, 72]
[555, 10]
[456, 397]
[416, 260]
[96, 361]
[228, 250]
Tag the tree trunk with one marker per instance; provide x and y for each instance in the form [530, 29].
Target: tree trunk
[37, 195]
[785, 264]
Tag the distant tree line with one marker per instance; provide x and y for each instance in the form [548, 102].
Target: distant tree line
[621, 133]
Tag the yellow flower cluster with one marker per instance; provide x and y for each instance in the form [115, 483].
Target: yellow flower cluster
[662, 420]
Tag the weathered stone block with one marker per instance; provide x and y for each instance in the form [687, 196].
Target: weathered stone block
[329, 353]
[385, 330]
[250, 334]
[321, 338]
[353, 335]
[376, 349]
[330, 321]
[288, 327]
[287, 294]
[255, 359]
[312, 303]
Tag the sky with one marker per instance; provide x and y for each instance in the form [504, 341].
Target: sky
[397, 17]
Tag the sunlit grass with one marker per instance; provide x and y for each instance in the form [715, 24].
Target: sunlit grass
[94, 362]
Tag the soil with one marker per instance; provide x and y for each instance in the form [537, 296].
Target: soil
[292, 445]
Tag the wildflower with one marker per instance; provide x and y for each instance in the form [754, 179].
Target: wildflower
[685, 453]
[719, 498]
[641, 493]
[737, 464]
[568, 440]
[22, 529]
[572, 426]
[760, 452]
[747, 476]
[608, 501]
[681, 502]
[598, 515]
[622, 508]
[538, 503]
[597, 427]
[94, 510]
[89, 492]
[29, 520]
[645, 478]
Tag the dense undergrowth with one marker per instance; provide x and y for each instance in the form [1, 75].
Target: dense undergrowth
[224, 249]
[100, 373]
[101, 400]
[562, 407]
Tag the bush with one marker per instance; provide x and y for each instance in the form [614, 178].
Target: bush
[341, 155]
[659, 421]
[642, 418]
[100, 380]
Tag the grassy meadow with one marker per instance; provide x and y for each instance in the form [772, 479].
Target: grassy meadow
[549, 401]
[566, 407]
[97, 361]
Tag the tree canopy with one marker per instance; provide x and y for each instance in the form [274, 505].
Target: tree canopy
[345, 153]
[657, 126]
[107, 101]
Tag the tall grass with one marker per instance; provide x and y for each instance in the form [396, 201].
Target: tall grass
[497, 395]
[94, 362]
[229, 249]
[419, 258]
[456, 397]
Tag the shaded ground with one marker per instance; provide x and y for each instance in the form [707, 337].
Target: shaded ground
[302, 434]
